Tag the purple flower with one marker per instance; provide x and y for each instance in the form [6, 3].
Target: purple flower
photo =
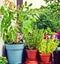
[58, 35]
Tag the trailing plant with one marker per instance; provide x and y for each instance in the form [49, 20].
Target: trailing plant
[3, 60]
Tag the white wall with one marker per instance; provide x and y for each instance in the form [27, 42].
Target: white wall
[1, 2]
[1, 41]
[15, 1]
[36, 3]
[1, 46]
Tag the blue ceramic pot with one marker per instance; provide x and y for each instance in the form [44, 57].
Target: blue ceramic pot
[14, 52]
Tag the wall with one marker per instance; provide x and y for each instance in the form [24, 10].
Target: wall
[1, 2]
[36, 3]
[1, 41]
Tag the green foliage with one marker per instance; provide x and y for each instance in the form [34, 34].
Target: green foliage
[3, 60]
[48, 31]
[2, 10]
[8, 31]
[48, 45]
[23, 21]
[51, 1]
[24, 12]
[48, 16]
[25, 17]
[32, 38]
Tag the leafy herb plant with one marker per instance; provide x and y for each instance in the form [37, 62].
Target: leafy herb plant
[32, 38]
[48, 44]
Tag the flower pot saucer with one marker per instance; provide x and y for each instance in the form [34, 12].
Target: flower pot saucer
[45, 63]
[31, 62]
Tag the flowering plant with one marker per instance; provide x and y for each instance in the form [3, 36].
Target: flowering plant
[48, 43]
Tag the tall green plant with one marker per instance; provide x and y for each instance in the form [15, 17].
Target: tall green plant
[23, 21]
[8, 31]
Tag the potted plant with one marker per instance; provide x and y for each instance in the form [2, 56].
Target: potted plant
[31, 41]
[25, 17]
[11, 35]
[47, 46]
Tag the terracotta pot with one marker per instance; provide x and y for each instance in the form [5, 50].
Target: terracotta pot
[31, 57]
[45, 58]
[31, 62]
[31, 54]
[45, 63]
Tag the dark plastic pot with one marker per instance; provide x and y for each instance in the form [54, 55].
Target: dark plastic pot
[14, 53]
[57, 56]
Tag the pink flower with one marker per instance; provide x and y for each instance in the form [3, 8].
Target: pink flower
[45, 36]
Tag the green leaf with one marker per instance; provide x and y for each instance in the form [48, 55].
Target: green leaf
[25, 3]
[30, 5]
